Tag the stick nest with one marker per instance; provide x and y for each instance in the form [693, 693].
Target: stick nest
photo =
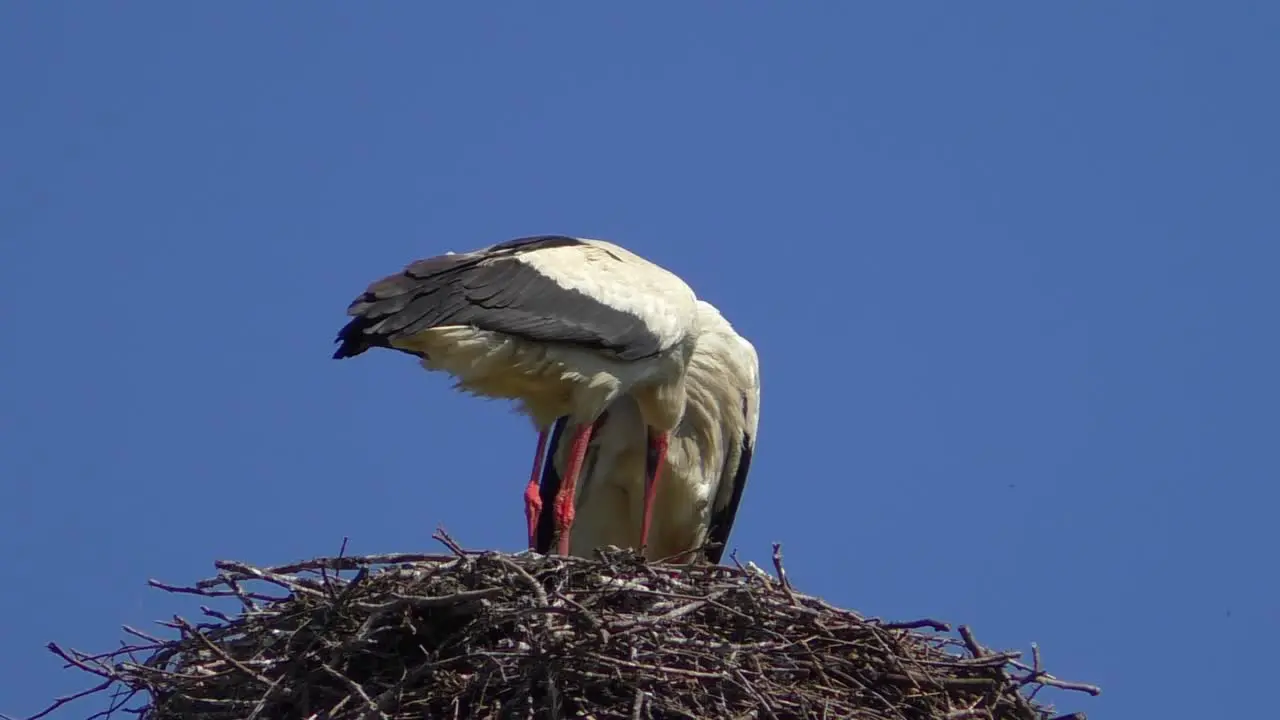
[491, 635]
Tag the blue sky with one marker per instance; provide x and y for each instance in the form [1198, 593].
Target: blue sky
[1010, 270]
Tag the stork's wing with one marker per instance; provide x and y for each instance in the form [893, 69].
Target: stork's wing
[493, 289]
[723, 515]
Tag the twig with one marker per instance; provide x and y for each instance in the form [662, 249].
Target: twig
[354, 563]
[441, 536]
[539, 592]
[1036, 675]
[750, 689]
[247, 600]
[122, 696]
[913, 679]
[53, 648]
[352, 585]
[420, 601]
[968, 714]
[587, 615]
[59, 702]
[633, 625]
[357, 689]
[657, 668]
[241, 570]
[638, 706]
[917, 624]
[139, 634]
[207, 592]
[1051, 681]
[990, 660]
[213, 648]
[971, 642]
[782, 574]
[218, 614]
[337, 573]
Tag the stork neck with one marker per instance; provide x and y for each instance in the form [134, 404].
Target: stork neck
[662, 403]
[662, 406]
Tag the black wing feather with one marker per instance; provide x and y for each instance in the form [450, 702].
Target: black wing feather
[722, 519]
[491, 289]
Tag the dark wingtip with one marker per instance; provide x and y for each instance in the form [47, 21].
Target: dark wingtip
[352, 340]
[348, 350]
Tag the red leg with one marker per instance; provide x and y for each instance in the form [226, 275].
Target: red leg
[532, 499]
[659, 445]
[569, 485]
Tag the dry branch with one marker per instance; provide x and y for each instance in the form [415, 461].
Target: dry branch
[489, 635]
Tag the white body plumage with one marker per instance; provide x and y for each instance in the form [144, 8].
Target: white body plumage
[705, 467]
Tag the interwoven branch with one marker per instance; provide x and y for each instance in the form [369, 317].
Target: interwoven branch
[480, 635]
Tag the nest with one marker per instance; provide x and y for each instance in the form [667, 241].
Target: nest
[492, 635]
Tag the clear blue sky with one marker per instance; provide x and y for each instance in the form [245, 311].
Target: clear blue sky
[1010, 269]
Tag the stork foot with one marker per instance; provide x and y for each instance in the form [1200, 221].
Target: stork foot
[532, 511]
[564, 523]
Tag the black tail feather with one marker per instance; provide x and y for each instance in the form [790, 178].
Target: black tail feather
[544, 534]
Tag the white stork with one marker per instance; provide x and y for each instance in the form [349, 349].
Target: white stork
[565, 326]
[705, 469]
